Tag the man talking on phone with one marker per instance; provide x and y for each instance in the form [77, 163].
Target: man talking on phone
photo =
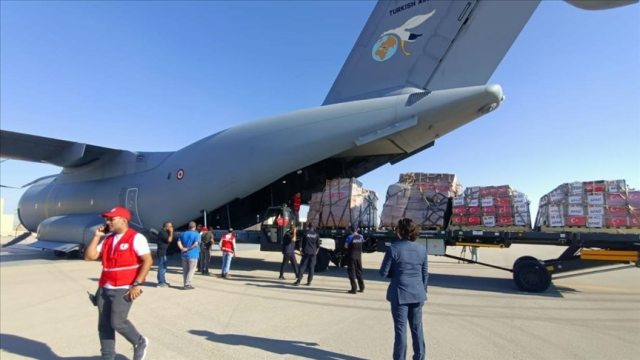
[126, 261]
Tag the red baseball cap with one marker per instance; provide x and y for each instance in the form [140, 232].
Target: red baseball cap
[204, 228]
[118, 211]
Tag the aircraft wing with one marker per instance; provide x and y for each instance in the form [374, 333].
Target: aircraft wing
[19, 146]
[412, 45]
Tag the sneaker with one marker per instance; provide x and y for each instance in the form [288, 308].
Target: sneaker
[281, 278]
[140, 350]
[163, 285]
[361, 290]
[353, 291]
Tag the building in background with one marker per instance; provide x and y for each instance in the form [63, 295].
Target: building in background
[7, 226]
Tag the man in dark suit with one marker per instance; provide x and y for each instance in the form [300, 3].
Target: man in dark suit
[405, 262]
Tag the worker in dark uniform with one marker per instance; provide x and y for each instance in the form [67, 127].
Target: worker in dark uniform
[309, 247]
[353, 244]
[288, 251]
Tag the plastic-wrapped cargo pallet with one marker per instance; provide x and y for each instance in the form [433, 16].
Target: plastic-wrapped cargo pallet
[422, 197]
[491, 206]
[344, 202]
[590, 205]
[315, 209]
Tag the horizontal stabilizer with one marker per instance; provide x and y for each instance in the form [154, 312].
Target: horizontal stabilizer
[25, 147]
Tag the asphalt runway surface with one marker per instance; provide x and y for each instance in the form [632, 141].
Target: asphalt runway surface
[473, 312]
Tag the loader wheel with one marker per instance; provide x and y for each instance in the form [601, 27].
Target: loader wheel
[531, 276]
[322, 261]
[523, 258]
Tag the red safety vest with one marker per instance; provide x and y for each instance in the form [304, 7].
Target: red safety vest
[120, 265]
[227, 243]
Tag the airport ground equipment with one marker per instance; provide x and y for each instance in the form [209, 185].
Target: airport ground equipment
[582, 250]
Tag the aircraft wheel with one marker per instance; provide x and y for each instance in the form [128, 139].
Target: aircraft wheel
[531, 276]
[322, 261]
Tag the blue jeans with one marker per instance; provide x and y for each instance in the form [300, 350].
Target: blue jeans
[412, 313]
[162, 268]
[226, 262]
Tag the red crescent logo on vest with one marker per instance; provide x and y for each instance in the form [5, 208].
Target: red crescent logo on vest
[180, 174]
[124, 246]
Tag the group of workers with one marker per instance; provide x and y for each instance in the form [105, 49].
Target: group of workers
[126, 261]
[194, 246]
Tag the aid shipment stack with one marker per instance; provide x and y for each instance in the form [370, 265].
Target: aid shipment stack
[591, 206]
[342, 203]
[597, 223]
[491, 207]
[423, 197]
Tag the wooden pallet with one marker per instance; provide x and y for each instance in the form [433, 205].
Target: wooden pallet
[584, 229]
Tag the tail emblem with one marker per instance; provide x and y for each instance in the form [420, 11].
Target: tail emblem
[386, 46]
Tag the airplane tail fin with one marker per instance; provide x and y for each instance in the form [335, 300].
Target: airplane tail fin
[406, 43]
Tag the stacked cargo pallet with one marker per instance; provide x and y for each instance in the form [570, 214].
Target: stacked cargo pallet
[591, 206]
[491, 207]
[315, 209]
[342, 203]
[422, 197]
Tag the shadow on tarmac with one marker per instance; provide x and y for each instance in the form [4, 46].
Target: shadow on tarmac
[446, 281]
[37, 350]
[280, 347]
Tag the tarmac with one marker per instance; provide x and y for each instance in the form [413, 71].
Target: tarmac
[473, 312]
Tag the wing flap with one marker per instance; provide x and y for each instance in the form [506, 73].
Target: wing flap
[25, 147]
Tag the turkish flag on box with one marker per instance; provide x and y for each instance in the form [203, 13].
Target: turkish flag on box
[634, 197]
[459, 210]
[504, 190]
[473, 220]
[505, 220]
[488, 190]
[634, 211]
[474, 210]
[458, 220]
[616, 199]
[616, 210]
[576, 221]
[634, 221]
[489, 210]
[595, 186]
[505, 210]
[617, 221]
[502, 201]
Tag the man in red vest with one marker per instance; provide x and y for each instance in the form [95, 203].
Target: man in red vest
[228, 247]
[126, 260]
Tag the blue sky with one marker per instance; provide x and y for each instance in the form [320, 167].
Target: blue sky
[157, 76]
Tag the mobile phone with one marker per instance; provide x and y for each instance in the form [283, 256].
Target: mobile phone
[127, 297]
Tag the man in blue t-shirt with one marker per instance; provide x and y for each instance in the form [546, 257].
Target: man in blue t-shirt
[190, 251]
[354, 244]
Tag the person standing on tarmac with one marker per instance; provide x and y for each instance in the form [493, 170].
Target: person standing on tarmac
[353, 245]
[309, 248]
[228, 247]
[126, 260]
[406, 263]
[288, 252]
[206, 237]
[165, 237]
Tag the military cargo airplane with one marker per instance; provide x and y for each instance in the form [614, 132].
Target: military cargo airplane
[384, 106]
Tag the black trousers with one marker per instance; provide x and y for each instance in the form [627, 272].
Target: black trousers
[204, 259]
[308, 263]
[114, 310]
[294, 263]
[355, 273]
